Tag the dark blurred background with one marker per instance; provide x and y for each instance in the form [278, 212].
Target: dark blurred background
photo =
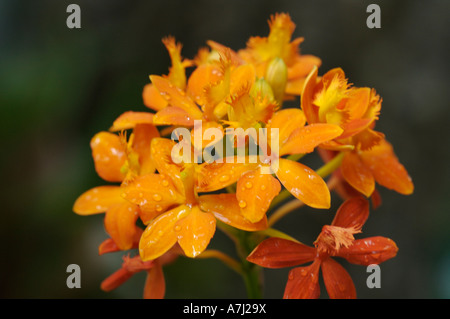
[60, 86]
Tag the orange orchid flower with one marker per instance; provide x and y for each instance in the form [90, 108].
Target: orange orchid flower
[255, 188]
[116, 160]
[335, 240]
[268, 54]
[172, 209]
[369, 158]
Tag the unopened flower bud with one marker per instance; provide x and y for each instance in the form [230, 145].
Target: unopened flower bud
[276, 76]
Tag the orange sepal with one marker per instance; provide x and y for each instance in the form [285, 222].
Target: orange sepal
[155, 284]
[254, 192]
[304, 183]
[195, 231]
[357, 174]
[109, 154]
[307, 97]
[120, 224]
[280, 253]
[154, 193]
[97, 200]
[109, 246]
[225, 208]
[303, 282]
[386, 168]
[215, 176]
[172, 115]
[337, 281]
[367, 251]
[305, 139]
[116, 279]
[143, 135]
[130, 119]
[286, 121]
[160, 235]
[353, 213]
[152, 99]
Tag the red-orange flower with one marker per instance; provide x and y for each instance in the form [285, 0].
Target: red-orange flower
[335, 240]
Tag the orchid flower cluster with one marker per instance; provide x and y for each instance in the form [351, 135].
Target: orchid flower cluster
[165, 200]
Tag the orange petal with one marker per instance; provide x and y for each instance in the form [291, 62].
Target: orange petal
[201, 78]
[152, 98]
[386, 168]
[195, 231]
[225, 208]
[337, 281]
[215, 176]
[175, 96]
[172, 115]
[255, 192]
[160, 235]
[154, 193]
[353, 213]
[354, 127]
[130, 119]
[120, 224]
[98, 200]
[303, 282]
[161, 150]
[306, 139]
[143, 135]
[367, 251]
[287, 121]
[304, 183]
[303, 66]
[307, 97]
[155, 285]
[109, 155]
[357, 174]
[242, 77]
[280, 253]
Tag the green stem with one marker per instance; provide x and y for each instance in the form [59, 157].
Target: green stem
[271, 232]
[331, 166]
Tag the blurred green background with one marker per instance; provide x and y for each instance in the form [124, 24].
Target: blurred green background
[60, 86]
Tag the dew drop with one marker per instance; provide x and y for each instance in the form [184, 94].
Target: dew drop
[157, 197]
[177, 228]
[263, 187]
[158, 208]
[224, 178]
[249, 185]
[291, 276]
[165, 183]
[160, 233]
[242, 203]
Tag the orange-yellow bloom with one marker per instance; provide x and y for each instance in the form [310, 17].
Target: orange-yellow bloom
[173, 210]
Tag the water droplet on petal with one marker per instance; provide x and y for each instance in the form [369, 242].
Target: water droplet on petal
[249, 185]
[157, 197]
[158, 208]
[224, 178]
[242, 203]
[177, 228]
[263, 187]
[291, 276]
[165, 183]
